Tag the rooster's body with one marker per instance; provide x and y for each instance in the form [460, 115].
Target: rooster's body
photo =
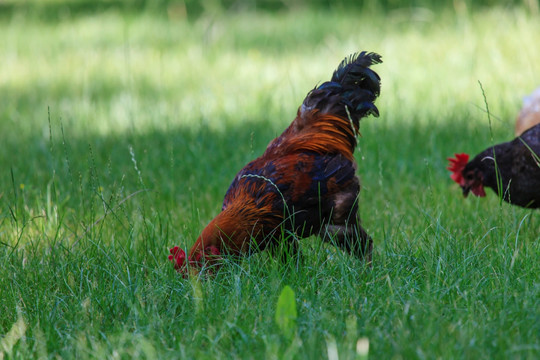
[305, 183]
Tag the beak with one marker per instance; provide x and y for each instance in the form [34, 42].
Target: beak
[465, 190]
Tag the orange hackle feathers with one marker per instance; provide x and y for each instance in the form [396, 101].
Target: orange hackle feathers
[317, 132]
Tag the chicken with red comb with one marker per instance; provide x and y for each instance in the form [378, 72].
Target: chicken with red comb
[511, 169]
[305, 183]
[457, 165]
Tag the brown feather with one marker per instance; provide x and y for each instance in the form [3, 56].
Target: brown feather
[305, 182]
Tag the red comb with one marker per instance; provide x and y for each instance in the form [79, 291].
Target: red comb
[457, 165]
[177, 257]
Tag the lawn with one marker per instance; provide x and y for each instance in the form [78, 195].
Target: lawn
[122, 130]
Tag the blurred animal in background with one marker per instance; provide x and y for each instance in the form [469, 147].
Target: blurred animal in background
[304, 184]
[511, 169]
[530, 113]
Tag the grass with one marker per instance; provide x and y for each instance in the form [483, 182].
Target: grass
[121, 133]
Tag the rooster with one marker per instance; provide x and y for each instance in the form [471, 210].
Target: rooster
[304, 184]
[511, 169]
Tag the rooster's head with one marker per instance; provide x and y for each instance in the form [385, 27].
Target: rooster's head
[469, 179]
[195, 262]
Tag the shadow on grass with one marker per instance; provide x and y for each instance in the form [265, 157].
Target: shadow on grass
[182, 163]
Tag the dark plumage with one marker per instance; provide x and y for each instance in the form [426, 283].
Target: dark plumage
[511, 169]
[305, 183]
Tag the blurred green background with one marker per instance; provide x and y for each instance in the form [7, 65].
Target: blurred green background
[194, 8]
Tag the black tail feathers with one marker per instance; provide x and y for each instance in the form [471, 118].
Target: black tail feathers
[354, 72]
[351, 91]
